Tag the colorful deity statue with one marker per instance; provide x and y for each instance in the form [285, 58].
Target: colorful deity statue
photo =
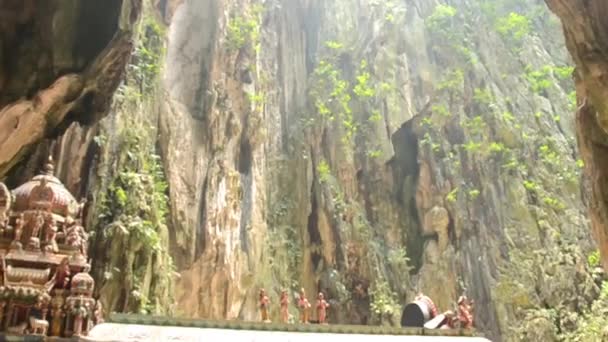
[77, 237]
[303, 306]
[18, 230]
[3, 223]
[322, 306]
[5, 205]
[264, 306]
[33, 231]
[450, 320]
[465, 315]
[284, 306]
[429, 302]
[50, 233]
[98, 314]
[62, 274]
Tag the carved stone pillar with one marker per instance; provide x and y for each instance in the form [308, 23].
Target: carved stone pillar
[57, 320]
[9, 314]
[57, 313]
[78, 322]
[2, 306]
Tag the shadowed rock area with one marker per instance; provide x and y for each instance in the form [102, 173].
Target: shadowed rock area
[60, 62]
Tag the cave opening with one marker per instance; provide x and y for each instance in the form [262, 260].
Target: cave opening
[405, 169]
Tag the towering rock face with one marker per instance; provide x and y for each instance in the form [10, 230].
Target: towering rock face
[374, 149]
[367, 149]
[60, 62]
[587, 39]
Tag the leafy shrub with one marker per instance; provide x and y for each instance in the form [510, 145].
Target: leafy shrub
[245, 29]
[483, 96]
[441, 17]
[539, 79]
[324, 171]
[514, 26]
[384, 304]
[454, 80]
[594, 259]
[452, 196]
[362, 88]
[563, 72]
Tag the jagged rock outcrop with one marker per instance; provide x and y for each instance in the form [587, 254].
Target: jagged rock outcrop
[586, 32]
[60, 62]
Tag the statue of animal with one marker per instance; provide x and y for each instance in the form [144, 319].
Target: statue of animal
[38, 326]
[18, 329]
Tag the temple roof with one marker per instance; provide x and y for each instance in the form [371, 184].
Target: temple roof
[21, 291]
[18, 275]
[62, 203]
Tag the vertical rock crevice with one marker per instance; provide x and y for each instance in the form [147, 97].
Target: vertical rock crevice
[312, 229]
[405, 172]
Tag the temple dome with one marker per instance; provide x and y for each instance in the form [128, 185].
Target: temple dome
[61, 201]
[82, 284]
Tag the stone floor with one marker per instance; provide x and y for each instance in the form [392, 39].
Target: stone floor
[134, 333]
[34, 338]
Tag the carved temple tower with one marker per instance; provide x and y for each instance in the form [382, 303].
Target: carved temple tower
[46, 288]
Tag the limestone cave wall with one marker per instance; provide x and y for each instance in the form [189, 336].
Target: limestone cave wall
[374, 149]
[368, 149]
[587, 40]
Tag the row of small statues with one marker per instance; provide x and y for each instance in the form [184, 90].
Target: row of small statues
[302, 304]
[463, 317]
[44, 224]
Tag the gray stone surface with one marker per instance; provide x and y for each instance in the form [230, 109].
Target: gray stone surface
[127, 332]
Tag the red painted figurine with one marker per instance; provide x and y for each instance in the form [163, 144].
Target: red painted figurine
[464, 312]
[303, 306]
[284, 307]
[264, 303]
[421, 297]
[322, 306]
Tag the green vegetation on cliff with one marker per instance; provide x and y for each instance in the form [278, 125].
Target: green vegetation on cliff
[244, 29]
[132, 204]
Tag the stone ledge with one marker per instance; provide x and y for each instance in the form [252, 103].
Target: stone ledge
[107, 332]
[301, 328]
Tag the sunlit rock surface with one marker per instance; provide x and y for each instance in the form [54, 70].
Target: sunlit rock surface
[461, 173]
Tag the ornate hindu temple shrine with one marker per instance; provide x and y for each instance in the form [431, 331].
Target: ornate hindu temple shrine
[46, 288]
